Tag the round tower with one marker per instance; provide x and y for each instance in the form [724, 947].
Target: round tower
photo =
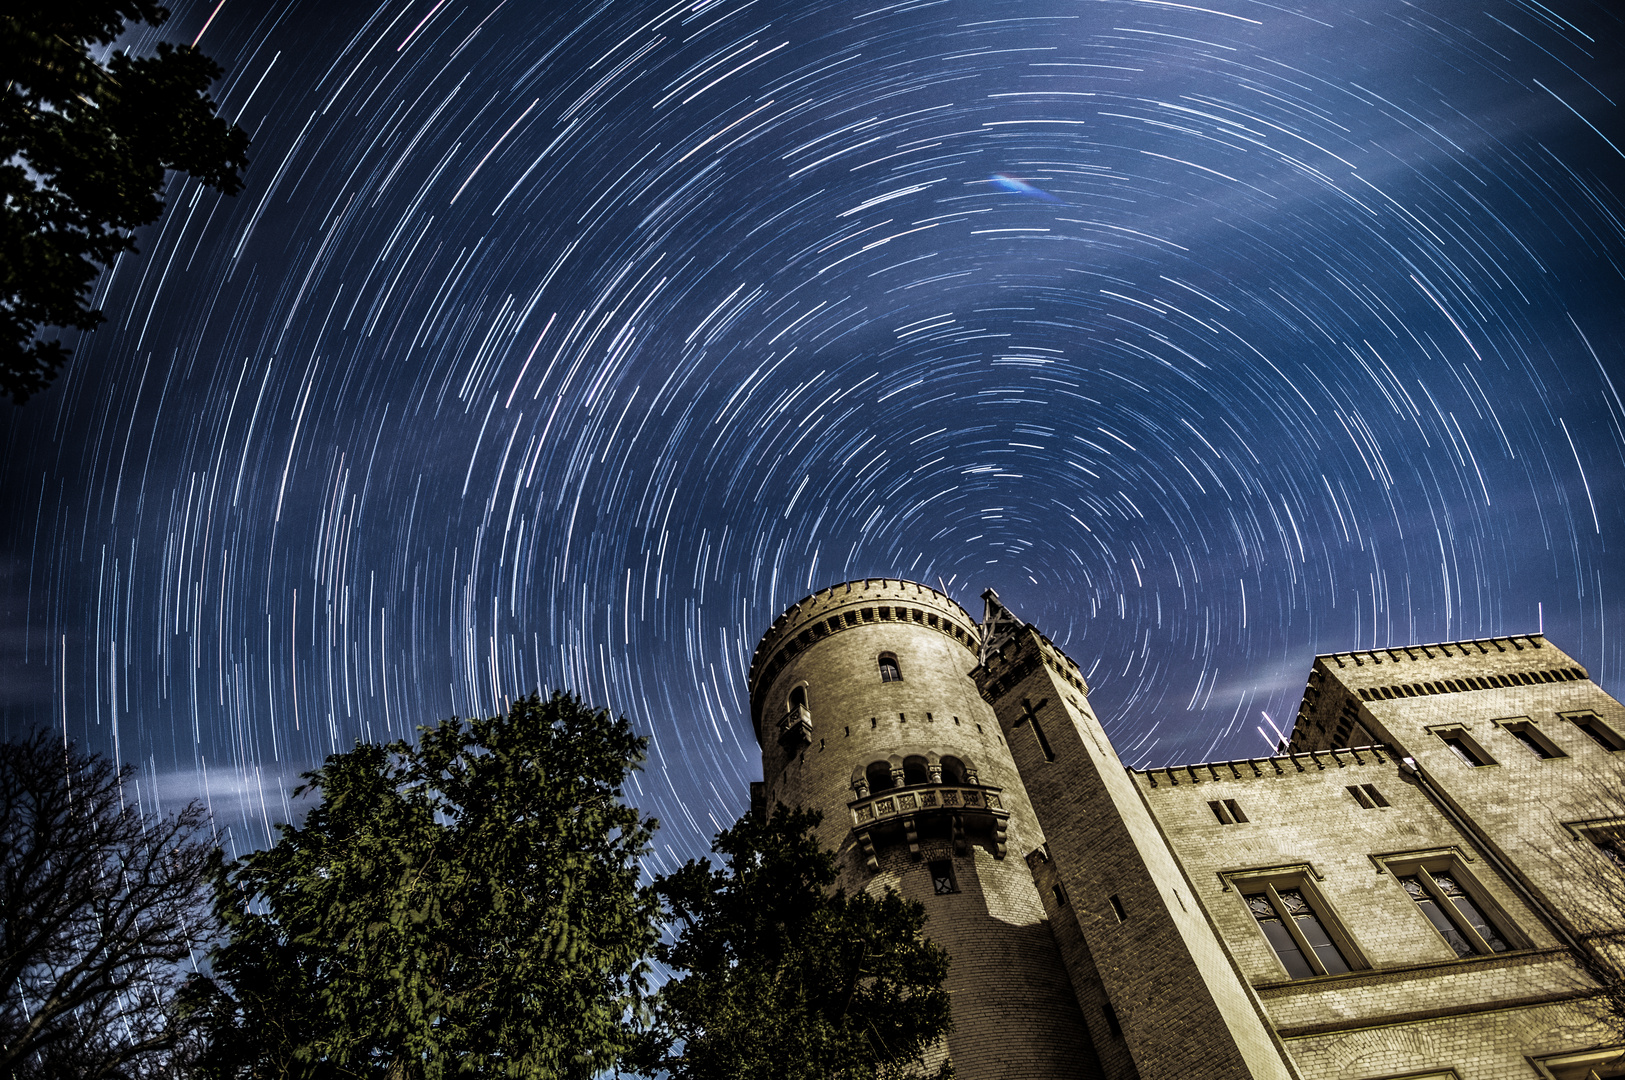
[865, 710]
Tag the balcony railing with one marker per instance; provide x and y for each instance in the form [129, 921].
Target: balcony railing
[967, 807]
[938, 798]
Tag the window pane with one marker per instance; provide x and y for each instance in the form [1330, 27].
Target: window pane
[1599, 735]
[1463, 751]
[1529, 741]
[1309, 926]
[1611, 847]
[1470, 912]
[1280, 939]
[1441, 922]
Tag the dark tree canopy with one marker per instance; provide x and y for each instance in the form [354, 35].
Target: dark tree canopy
[785, 978]
[469, 904]
[98, 910]
[83, 151]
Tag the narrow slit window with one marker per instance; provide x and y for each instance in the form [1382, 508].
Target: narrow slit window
[1219, 812]
[1373, 794]
[1296, 933]
[1117, 908]
[1235, 811]
[1360, 797]
[1113, 1025]
[1060, 895]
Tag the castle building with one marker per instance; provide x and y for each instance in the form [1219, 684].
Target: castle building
[1412, 887]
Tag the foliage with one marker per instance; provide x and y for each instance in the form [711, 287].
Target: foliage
[787, 977]
[98, 908]
[465, 905]
[83, 149]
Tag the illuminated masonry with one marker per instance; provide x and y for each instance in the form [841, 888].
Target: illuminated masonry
[1398, 893]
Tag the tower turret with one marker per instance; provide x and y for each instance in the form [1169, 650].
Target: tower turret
[865, 710]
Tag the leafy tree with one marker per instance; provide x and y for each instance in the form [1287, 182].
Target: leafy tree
[466, 905]
[787, 977]
[98, 908]
[83, 150]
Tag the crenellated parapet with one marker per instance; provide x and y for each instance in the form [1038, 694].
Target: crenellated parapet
[1275, 766]
[867, 602]
[1022, 655]
[1333, 710]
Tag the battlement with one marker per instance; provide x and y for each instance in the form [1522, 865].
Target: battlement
[1340, 683]
[1272, 767]
[851, 604]
[1015, 661]
[1443, 661]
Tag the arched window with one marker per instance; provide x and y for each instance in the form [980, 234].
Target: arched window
[914, 771]
[953, 771]
[798, 699]
[879, 774]
[889, 671]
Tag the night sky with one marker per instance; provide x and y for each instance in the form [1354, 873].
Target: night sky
[564, 346]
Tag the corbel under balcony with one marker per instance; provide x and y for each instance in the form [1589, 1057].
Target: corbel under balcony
[958, 809]
[795, 727]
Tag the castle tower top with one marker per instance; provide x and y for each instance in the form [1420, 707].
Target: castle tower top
[851, 604]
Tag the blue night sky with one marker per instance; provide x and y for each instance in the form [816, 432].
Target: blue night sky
[566, 345]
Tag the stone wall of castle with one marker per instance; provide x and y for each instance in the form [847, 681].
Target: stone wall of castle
[1400, 892]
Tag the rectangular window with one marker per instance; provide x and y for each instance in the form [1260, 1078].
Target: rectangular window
[1373, 794]
[1452, 910]
[1531, 738]
[1463, 746]
[1360, 797]
[1295, 931]
[1220, 812]
[1117, 908]
[1599, 732]
[942, 877]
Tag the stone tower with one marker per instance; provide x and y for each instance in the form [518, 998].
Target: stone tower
[865, 709]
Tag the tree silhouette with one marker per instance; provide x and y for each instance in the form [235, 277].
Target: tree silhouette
[99, 907]
[83, 150]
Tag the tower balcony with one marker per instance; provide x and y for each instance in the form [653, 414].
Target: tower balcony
[957, 810]
[795, 726]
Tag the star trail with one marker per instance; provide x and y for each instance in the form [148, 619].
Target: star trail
[563, 346]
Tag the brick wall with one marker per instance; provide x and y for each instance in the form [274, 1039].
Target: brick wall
[1174, 990]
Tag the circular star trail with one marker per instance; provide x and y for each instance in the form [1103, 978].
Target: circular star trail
[557, 346]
